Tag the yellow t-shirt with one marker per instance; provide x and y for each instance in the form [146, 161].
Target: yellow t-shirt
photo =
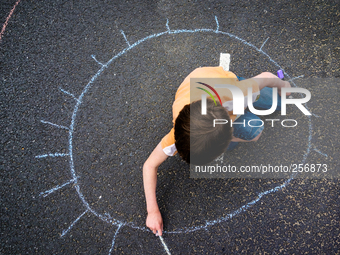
[182, 98]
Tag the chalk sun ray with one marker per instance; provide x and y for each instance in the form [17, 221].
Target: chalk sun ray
[114, 238]
[69, 93]
[52, 155]
[298, 77]
[99, 63]
[264, 43]
[47, 192]
[126, 40]
[55, 125]
[318, 151]
[74, 222]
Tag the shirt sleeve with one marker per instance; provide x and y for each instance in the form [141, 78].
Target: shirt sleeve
[168, 143]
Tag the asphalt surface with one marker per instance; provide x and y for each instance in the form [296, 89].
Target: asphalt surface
[83, 104]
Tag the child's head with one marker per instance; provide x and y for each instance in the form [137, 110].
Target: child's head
[194, 130]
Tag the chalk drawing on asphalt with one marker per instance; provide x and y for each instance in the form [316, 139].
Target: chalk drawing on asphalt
[79, 100]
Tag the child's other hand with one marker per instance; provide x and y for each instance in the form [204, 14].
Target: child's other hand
[154, 221]
[285, 84]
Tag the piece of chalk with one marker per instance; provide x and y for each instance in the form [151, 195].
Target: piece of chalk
[280, 74]
[225, 61]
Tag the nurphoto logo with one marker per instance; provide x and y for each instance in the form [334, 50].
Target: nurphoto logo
[238, 103]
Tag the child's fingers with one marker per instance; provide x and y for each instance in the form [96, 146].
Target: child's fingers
[159, 232]
[287, 85]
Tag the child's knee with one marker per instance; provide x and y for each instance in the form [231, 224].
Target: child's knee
[257, 137]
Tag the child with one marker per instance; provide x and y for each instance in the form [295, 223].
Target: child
[200, 134]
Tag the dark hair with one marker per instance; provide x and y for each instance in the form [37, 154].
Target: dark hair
[196, 140]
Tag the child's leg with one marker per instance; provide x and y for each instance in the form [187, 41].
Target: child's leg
[265, 101]
[245, 131]
[247, 126]
[250, 132]
[232, 145]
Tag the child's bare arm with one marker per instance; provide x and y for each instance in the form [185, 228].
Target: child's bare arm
[154, 219]
[267, 79]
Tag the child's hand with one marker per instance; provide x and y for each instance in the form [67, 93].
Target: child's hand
[154, 221]
[267, 79]
[284, 84]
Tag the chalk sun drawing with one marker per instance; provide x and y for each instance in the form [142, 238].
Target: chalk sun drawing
[120, 224]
